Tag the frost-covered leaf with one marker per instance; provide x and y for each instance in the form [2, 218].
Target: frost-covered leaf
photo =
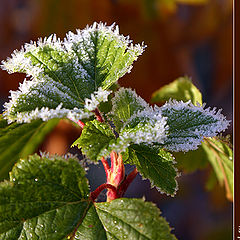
[20, 140]
[180, 89]
[147, 126]
[125, 104]
[155, 165]
[133, 219]
[69, 78]
[220, 156]
[95, 139]
[44, 199]
[189, 124]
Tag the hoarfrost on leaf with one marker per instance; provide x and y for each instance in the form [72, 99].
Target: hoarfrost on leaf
[189, 124]
[147, 126]
[72, 75]
[96, 98]
[125, 103]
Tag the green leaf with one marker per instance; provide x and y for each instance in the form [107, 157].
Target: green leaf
[216, 152]
[20, 140]
[45, 199]
[180, 89]
[70, 77]
[189, 124]
[212, 181]
[95, 139]
[220, 156]
[125, 103]
[192, 161]
[156, 165]
[91, 227]
[133, 219]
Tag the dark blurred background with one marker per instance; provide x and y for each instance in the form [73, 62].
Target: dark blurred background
[184, 37]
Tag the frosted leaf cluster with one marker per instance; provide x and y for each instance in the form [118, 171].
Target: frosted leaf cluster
[71, 77]
[145, 126]
[176, 126]
[137, 121]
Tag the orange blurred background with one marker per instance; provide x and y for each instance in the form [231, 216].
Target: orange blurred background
[184, 37]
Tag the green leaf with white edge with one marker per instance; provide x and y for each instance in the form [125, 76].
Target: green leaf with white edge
[189, 124]
[155, 164]
[133, 219]
[220, 156]
[69, 78]
[95, 139]
[46, 198]
[125, 104]
[180, 89]
[147, 126]
[20, 140]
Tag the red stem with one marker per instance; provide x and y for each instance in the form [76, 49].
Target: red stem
[98, 115]
[81, 124]
[106, 166]
[125, 184]
[114, 157]
[116, 184]
[97, 191]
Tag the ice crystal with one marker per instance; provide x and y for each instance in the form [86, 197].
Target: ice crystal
[96, 98]
[46, 114]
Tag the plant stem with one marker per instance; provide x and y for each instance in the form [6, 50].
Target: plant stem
[81, 124]
[98, 115]
[97, 191]
[116, 174]
[116, 182]
[106, 166]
